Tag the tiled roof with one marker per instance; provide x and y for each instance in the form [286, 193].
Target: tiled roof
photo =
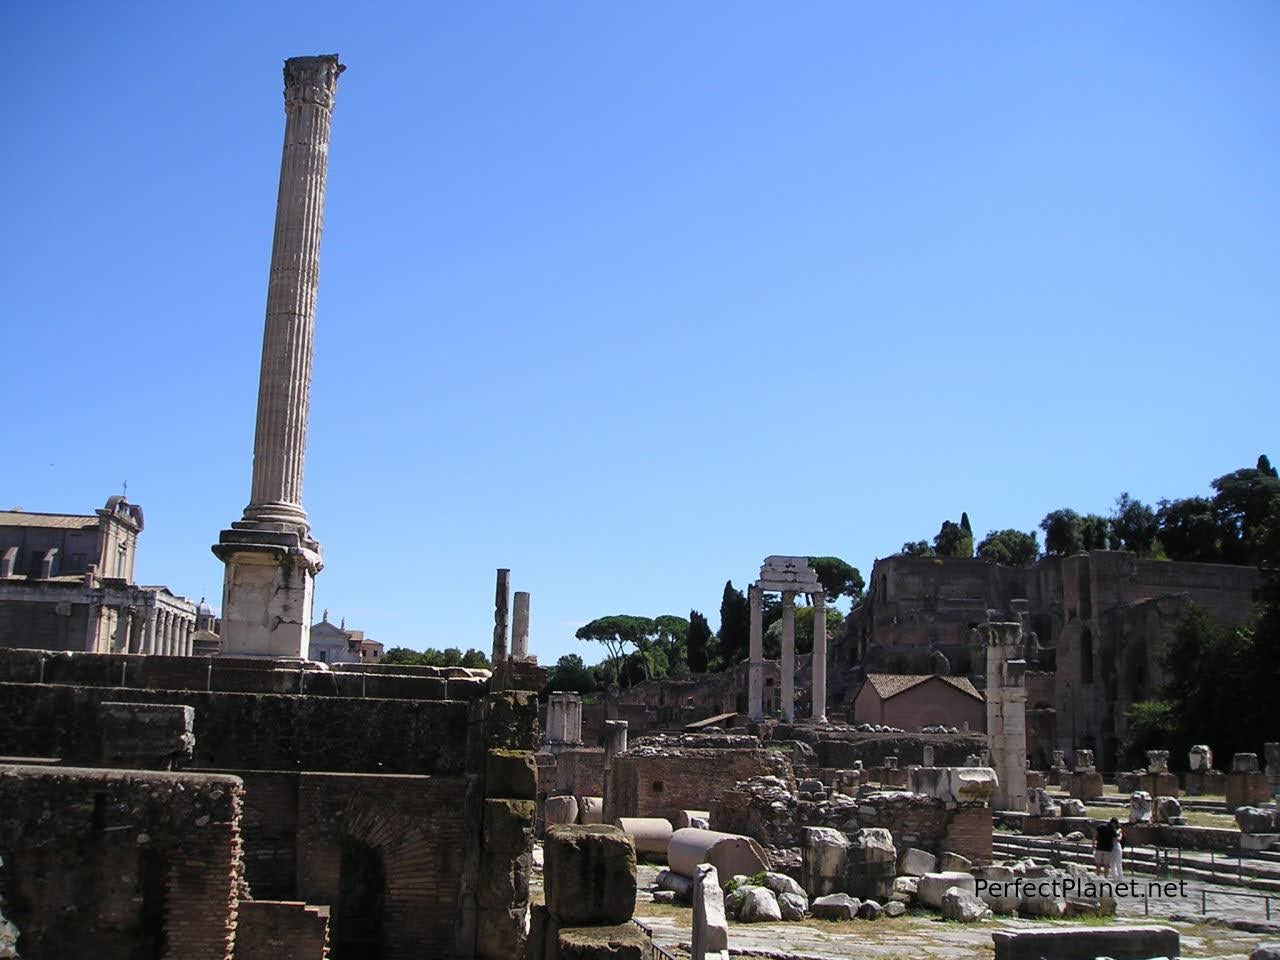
[20, 518]
[891, 684]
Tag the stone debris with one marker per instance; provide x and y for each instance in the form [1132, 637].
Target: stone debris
[963, 906]
[939, 728]
[894, 908]
[1169, 810]
[793, 907]
[1140, 807]
[933, 886]
[870, 910]
[916, 863]
[1073, 808]
[590, 875]
[1007, 902]
[759, 905]
[904, 889]
[825, 857]
[780, 883]
[835, 906]
[1258, 819]
[710, 926]
[953, 862]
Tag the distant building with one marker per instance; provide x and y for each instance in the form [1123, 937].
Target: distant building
[66, 583]
[330, 644]
[914, 701]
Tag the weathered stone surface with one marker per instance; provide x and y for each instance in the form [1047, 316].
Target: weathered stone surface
[870, 910]
[730, 854]
[1034, 904]
[1200, 757]
[625, 941]
[1266, 951]
[511, 774]
[916, 863]
[759, 905]
[793, 907]
[904, 889]
[932, 886]
[1086, 943]
[158, 735]
[963, 907]
[590, 809]
[894, 908]
[710, 926]
[589, 874]
[1073, 808]
[872, 864]
[780, 883]
[651, 835]
[835, 906]
[1140, 807]
[953, 862]
[1169, 810]
[560, 811]
[994, 885]
[1244, 763]
[676, 883]
[508, 825]
[825, 856]
[1258, 819]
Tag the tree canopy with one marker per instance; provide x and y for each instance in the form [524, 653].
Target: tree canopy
[838, 578]
[431, 657]
[1009, 548]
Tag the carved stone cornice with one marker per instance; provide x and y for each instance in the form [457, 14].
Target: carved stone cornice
[311, 80]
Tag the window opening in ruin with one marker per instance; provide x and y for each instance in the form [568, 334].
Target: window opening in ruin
[357, 915]
[1086, 656]
[100, 811]
[657, 786]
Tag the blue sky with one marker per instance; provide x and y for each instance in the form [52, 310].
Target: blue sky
[627, 297]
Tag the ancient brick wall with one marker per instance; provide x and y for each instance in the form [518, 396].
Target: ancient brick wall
[930, 824]
[840, 748]
[249, 731]
[146, 864]
[276, 930]
[580, 772]
[683, 779]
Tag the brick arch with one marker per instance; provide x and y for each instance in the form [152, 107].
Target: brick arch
[415, 827]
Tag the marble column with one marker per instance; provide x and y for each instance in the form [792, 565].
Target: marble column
[92, 627]
[501, 605]
[788, 656]
[270, 555]
[520, 626]
[137, 632]
[819, 711]
[1007, 713]
[755, 663]
[151, 630]
[120, 643]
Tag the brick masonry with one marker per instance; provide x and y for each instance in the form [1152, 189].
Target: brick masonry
[689, 778]
[281, 930]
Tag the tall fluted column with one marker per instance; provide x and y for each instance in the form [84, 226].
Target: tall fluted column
[501, 604]
[819, 710]
[520, 626]
[755, 655]
[788, 656]
[271, 556]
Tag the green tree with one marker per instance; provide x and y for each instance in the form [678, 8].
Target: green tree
[735, 625]
[476, 660]
[1009, 548]
[1244, 500]
[1191, 529]
[917, 548]
[1062, 533]
[571, 675]
[1135, 525]
[670, 638]
[616, 633]
[838, 578]
[953, 541]
[1096, 533]
[698, 642]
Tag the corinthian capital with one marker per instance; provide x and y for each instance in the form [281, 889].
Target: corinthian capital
[311, 80]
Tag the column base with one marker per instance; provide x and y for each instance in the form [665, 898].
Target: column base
[267, 590]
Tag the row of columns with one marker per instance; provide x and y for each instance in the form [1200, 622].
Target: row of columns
[755, 666]
[518, 620]
[161, 632]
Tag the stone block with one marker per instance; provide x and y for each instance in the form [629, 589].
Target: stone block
[154, 735]
[916, 863]
[962, 907]
[624, 941]
[1073, 808]
[933, 886]
[1200, 758]
[835, 906]
[1244, 763]
[1085, 785]
[589, 874]
[1168, 810]
[824, 860]
[994, 885]
[508, 825]
[1141, 807]
[560, 811]
[793, 907]
[1258, 819]
[954, 863]
[710, 926]
[590, 809]
[1246, 790]
[511, 774]
[759, 905]
[1087, 943]
[872, 863]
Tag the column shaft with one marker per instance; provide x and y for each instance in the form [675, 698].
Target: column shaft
[819, 711]
[520, 626]
[755, 666]
[788, 656]
[501, 600]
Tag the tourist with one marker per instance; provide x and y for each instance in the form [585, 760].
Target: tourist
[1117, 850]
[1104, 841]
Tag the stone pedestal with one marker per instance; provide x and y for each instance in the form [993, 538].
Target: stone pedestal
[270, 556]
[1084, 784]
[1246, 789]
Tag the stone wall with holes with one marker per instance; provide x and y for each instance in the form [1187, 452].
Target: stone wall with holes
[662, 783]
[113, 864]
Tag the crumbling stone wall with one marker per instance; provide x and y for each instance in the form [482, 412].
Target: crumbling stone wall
[248, 731]
[580, 772]
[276, 930]
[841, 747]
[660, 781]
[112, 864]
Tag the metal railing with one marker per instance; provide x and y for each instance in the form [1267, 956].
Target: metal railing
[658, 949]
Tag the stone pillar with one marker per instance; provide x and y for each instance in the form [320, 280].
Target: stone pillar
[186, 638]
[137, 632]
[1271, 757]
[710, 934]
[520, 626]
[270, 555]
[151, 630]
[819, 711]
[755, 664]
[1007, 713]
[788, 656]
[501, 600]
[120, 643]
[615, 738]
